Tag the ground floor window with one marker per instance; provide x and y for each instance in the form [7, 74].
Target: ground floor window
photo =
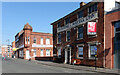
[47, 52]
[80, 51]
[34, 53]
[59, 52]
[41, 53]
[93, 50]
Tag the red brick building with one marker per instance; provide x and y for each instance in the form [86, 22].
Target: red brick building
[33, 44]
[6, 50]
[112, 38]
[73, 44]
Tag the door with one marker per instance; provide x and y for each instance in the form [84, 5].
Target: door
[68, 57]
[27, 54]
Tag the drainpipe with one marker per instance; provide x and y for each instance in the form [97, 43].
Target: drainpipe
[104, 37]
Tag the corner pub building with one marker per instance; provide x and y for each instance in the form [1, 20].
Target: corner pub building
[73, 43]
[37, 45]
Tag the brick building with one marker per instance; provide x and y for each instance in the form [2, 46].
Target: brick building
[33, 44]
[72, 41]
[6, 50]
[112, 37]
[87, 33]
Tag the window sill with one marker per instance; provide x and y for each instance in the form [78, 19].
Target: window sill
[94, 36]
[80, 57]
[79, 38]
[92, 58]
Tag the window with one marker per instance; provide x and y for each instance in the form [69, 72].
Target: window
[59, 24]
[41, 41]
[80, 51]
[117, 31]
[68, 35]
[59, 38]
[48, 41]
[41, 53]
[59, 52]
[34, 54]
[25, 40]
[93, 8]
[80, 32]
[28, 40]
[34, 40]
[117, 4]
[80, 14]
[67, 20]
[47, 52]
[93, 50]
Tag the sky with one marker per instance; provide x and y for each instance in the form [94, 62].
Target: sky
[38, 14]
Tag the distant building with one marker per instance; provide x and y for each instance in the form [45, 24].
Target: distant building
[6, 50]
[33, 44]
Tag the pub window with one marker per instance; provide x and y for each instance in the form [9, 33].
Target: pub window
[68, 35]
[92, 51]
[80, 32]
[80, 14]
[67, 20]
[41, 52]
[34, 40]
[80, 51]
[92, 8]
[25, 40]
[28, 40]
[59, 38]
[59, 24]
[47, 52]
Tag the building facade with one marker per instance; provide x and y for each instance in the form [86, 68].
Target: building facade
[89, 35]
[6, 50]
[73, 43]
[31, 44]
[112, 37]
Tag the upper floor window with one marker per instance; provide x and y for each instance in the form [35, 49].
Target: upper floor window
[80, 14]
[41, 41]
[92, 8]
[47, 41]
[34, 40]
[67, 20]
[80, 32]
[59, 38]
[68, 35]
[59, 24]
[28, 40]
[25, 40]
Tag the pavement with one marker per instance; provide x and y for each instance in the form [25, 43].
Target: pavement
[76, 67]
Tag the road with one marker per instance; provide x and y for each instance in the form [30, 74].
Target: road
[24, 66]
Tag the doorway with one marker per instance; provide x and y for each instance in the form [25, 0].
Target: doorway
[68, 55]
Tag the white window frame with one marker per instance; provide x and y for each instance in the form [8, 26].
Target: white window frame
[66, 35]
[41, 41]
[25, 40]
[48, 41]
[47, 53]
[42, 52]
[28, 40]
[89, 52]
[83, 32]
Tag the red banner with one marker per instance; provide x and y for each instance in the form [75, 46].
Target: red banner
[91, 27]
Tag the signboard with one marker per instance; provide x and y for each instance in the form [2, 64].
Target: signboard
[91, 28]
[83, 20]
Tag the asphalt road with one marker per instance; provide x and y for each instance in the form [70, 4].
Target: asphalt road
[24, 66]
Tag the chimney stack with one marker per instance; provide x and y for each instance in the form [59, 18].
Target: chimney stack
[82, 4]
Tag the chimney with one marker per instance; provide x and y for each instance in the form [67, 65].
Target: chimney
[82, 4]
